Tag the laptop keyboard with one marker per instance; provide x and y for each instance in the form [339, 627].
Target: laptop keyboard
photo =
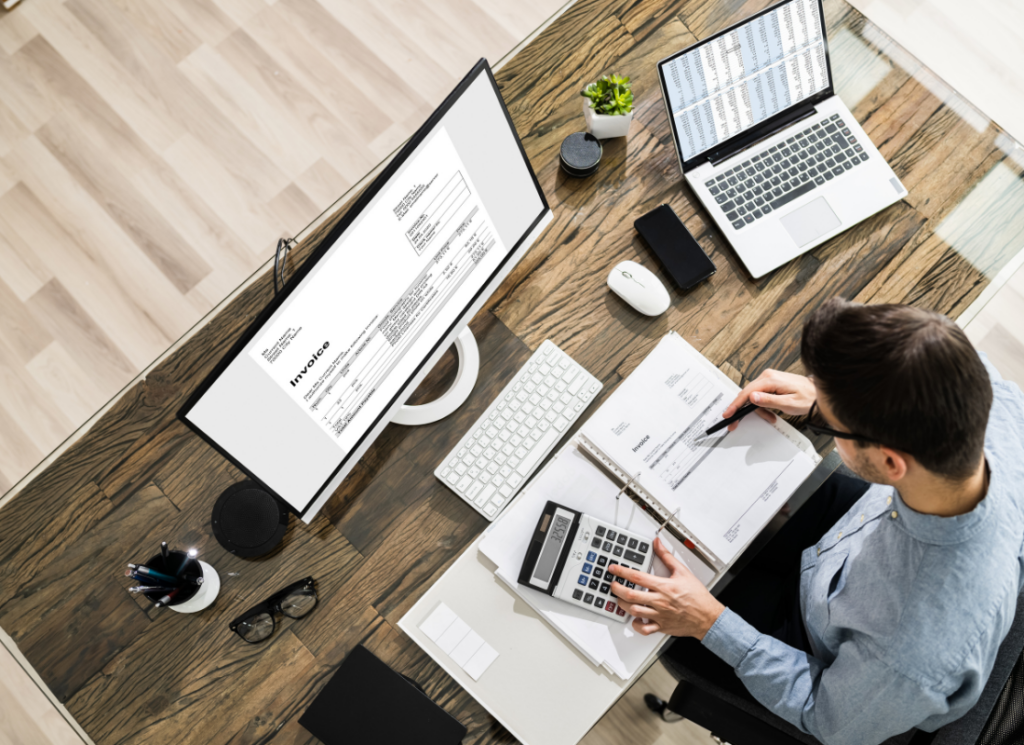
[784, 172]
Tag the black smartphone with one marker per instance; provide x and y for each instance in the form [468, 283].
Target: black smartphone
[679, 253]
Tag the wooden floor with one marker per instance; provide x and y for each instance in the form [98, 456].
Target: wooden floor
[153, 151]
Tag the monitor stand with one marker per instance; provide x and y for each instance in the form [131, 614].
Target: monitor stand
[454, 397]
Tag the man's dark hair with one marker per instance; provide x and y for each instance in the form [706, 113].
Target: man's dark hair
[905, 377]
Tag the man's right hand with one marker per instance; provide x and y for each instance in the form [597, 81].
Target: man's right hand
[791, 394]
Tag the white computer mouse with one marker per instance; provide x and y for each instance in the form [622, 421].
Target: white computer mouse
[638, 286]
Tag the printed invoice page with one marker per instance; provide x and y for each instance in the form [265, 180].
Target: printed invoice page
[725, 487]
[309, 386]
[747, 75]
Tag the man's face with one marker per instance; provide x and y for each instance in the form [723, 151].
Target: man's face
[858, 458]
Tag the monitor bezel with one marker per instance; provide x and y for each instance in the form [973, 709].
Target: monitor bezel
[325, 245]
[768, 125]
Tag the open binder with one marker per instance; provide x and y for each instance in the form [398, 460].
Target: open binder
[711, 497]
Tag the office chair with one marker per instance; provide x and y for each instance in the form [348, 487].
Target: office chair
[997, 718]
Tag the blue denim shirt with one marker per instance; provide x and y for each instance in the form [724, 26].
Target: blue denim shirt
[904, 611]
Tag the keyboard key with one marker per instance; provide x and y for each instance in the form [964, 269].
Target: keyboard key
[766, 209]
[710, 183]
[829, 176]
[834, 117]
[583, 580]
[643, 548]
[838, 171]
[618, 549]
[598, 573]
[621, 540]
[612, 535]
[600, 531]
[748, 218]
[742, 210]
[794, 194]
[610, 607]
[587, 568]
[738, 224]
[605, 588]
[757, 214]
[831, 128]
[819, 180]
[620, 612]
[594, 584]
[588, 598]
[607, 546]
[599, 602]
[602, 560]
[577, 594]
[634, 557]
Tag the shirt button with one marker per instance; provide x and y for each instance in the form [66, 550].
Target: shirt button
[840, 534]
[819, 552]
[893, 514]
[888, 500]
[862, 518]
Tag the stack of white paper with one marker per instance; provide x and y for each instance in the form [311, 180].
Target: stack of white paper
[453, 636]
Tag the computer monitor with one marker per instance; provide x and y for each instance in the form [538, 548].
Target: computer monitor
[316, 378]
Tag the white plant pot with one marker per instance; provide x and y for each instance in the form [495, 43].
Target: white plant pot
[603, 126]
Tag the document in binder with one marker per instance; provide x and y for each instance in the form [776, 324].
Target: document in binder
[712, 496]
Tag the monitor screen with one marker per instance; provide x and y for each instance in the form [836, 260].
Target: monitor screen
[725, 85]
[312, 380]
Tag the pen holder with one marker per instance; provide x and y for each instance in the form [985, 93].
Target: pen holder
[191, 598]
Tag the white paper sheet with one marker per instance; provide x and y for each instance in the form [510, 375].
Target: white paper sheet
[725, 487]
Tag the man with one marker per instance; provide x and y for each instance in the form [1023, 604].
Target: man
[881, 605]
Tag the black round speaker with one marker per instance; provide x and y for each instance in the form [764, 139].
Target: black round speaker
[248, 521]
[580, 154]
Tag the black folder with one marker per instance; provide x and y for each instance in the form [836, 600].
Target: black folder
[367, 701]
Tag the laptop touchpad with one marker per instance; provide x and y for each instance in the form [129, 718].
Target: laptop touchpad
[810, 221]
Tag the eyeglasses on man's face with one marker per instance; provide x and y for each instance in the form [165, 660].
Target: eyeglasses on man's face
[814, 417]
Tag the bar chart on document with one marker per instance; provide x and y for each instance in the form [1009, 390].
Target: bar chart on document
[746, 76]
[335, 350]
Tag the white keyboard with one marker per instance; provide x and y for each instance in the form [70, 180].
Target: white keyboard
[523, 424]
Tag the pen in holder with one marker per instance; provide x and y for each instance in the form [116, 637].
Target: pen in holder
[186, 584]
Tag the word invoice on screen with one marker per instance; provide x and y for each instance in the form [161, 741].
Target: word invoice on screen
[747, 75]
[354, 332]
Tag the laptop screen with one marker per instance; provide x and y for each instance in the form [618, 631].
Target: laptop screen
[735, 80]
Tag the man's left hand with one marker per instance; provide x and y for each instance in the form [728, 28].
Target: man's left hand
[678, 605]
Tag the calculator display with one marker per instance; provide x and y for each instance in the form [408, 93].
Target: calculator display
[552, 547]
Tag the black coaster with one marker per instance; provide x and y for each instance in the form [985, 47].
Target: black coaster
[580, 154]
[248, 521]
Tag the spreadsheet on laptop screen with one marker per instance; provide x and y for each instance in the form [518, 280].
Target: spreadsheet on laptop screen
[741, 78]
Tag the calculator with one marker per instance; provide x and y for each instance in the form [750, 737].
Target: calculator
[570, 554]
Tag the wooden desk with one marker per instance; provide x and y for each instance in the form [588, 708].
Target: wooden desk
[131, 674]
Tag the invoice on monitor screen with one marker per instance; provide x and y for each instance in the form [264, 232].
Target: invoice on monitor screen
[341, 352]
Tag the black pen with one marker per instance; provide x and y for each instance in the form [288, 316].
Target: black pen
[742, 412]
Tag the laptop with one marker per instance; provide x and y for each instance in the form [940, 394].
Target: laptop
[765, 143]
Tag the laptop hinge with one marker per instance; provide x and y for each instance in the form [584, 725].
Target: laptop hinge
[717, 156]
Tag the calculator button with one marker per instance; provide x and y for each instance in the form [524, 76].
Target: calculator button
[630, 585]
[620, 612]
[594, 584]
[577, 594]
[612, 563]
[633, 542]
[620, 580]
[600, 531]
[611, 535]
[598, 573]
[591, 556]
[588, 598]
[588, 568]
[599, 602]
[605, 588]
[610, 607]
[643, 548]
[634, 557]
[621, 540]
[596, 543]
[602, 560]
[607, 546]
[583, 579]
[617, 551]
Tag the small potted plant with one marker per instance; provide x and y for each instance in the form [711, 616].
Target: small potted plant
[609, 106]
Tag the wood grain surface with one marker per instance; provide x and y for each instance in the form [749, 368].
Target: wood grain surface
[131, 674]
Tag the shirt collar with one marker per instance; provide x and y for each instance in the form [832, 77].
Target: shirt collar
[946, 530]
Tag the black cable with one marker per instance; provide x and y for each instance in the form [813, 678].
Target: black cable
[285, 245]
